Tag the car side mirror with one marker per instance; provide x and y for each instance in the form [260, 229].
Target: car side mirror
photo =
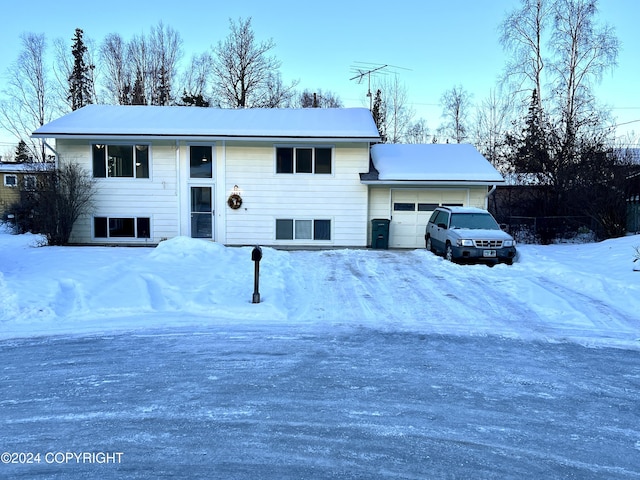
[442, 225]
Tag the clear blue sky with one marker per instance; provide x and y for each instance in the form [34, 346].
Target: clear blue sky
[437, 44]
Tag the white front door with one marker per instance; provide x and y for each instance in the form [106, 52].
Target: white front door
[202, 212]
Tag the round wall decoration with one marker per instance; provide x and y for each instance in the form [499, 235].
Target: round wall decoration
[234, 201]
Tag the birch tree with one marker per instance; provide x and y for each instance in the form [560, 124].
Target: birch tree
[456, 106]
[245, 72]
[27, 104]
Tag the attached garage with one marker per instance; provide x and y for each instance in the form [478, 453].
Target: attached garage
[407, 182]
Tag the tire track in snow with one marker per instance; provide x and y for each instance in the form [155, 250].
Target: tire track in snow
[605, 317]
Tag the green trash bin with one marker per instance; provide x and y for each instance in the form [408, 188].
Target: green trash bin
[380, 233]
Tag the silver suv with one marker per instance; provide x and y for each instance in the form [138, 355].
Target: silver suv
[468, 234]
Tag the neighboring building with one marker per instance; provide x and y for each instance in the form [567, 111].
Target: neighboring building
[277, 177]
[14, 177]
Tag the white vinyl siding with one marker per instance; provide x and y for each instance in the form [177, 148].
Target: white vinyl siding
[154, 197]
[407, 226]
[268, 196]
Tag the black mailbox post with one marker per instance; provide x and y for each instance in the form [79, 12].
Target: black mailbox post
[256, 256]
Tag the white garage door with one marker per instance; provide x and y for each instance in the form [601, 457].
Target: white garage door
[411, 209]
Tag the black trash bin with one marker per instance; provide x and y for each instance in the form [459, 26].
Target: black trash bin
[380, 233]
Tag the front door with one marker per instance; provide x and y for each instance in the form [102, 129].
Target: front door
[201, 212]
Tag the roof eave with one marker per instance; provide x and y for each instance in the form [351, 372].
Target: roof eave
[200, 138]
[432, 183]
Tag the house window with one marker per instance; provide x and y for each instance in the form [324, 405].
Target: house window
[30, 182]
[10, 180]
[404, 207]
[200, 161]
[303, 229]
[427, 207]
[303, 160]
[127, 161]
[122, 227]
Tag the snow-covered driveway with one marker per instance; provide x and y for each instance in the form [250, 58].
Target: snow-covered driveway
[583, 293]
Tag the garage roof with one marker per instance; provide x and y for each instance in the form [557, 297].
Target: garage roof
[430, 163]
[98, 121]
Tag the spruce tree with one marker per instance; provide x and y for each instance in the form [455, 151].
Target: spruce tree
[22, 153]
[80, 80]
[379, 115]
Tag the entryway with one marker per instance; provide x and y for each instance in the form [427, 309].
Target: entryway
[202, 212]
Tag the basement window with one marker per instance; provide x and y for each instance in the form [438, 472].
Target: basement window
[122, 227]
[303, 229]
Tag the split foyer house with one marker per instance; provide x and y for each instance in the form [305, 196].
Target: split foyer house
[279, 177]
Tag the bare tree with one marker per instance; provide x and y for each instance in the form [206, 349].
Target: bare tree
[138, 58]
[56, 201]
[456, 104]
[398, 115]
[522, 34]
[584, 52]
[27, 103]
[117, 71]
[418, 132]
[165, 48]
[195, 80]
[246, 76]
[319, 99]
[491, 125]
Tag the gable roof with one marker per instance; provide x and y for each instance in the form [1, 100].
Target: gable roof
[435, 163]
[141, 121]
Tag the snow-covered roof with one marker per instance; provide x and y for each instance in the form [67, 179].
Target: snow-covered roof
[11, 167]
[432, 163]
[199, 122]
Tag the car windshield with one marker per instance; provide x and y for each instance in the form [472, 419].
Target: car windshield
[482, 221]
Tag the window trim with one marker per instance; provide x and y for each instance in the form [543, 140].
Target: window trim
[211, 161]
[136, 225]
[30, 182]
[294, 160]
[134, 148]
[313, 221]
[15, 179]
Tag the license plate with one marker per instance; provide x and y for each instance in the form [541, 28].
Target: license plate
[489, 253]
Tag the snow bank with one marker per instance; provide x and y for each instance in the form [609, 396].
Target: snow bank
[587, 293]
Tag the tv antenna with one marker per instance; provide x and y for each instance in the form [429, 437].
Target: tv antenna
[363, 70]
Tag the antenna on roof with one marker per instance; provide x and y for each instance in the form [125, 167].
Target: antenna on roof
[363, 70]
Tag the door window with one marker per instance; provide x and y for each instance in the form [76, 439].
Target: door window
[201, 212]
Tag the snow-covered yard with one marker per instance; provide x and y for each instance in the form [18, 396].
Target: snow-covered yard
[153, 363]
[586, 293]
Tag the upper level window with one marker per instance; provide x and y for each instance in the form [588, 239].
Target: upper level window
[10, 180]
[303, 160]
[129, 161]
[200, 161]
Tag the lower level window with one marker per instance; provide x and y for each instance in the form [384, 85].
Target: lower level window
[292, 229]
[127, 227]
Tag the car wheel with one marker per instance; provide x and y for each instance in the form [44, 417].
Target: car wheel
[448, 253]
[429, 245]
